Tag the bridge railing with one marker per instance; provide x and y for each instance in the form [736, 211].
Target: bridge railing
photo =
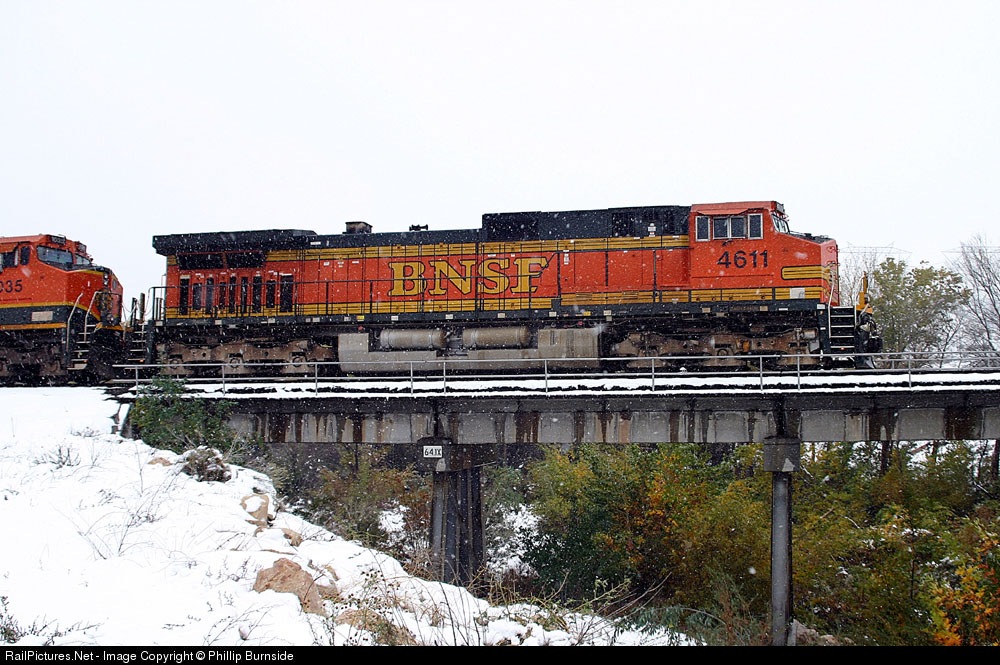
[444, 375]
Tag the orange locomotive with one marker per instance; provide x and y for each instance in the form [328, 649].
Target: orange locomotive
[60, 315]
[711, 285]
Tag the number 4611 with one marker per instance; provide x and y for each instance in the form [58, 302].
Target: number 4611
[741, 259]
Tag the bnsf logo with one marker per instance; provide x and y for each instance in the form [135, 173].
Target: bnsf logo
[492, 276]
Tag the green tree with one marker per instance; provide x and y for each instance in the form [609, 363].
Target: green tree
[879, 552]
[916, 308]
[658, 518]
[871, 546]
[726, 534]
[165, 416]
[946, 476]
[354, 499]
[577, 497]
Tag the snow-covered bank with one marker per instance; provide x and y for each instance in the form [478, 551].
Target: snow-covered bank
[109, 543]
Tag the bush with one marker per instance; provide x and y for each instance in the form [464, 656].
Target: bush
[166, 417]
[206, 464]
[354, 499]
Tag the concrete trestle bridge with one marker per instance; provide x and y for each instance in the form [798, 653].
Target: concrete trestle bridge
[654, 407]
[452, 425]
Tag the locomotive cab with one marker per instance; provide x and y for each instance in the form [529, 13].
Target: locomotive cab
[748, 249]
[753, 288]
[61, 314]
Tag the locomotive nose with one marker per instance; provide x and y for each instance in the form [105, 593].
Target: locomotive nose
[108, 279]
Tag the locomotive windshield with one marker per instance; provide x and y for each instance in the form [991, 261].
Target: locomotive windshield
[62, 258]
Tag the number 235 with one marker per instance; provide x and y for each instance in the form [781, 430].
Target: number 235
[11, 286]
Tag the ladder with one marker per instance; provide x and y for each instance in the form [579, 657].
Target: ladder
[842, 322]
[137, 336]
[79, 353]
[81, 350]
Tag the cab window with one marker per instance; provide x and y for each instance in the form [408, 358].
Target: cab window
[729, 226]
[60, 258]
[720, 227]
[18, 256]
[701, 228]
[738, 227]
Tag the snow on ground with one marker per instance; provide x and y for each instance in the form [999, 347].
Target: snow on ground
[109, 543]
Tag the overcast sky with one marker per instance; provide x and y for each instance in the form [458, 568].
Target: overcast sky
[873, 122]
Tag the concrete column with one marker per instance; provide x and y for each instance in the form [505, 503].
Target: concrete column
[782, 456]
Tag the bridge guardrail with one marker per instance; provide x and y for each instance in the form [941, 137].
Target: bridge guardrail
[652, 373]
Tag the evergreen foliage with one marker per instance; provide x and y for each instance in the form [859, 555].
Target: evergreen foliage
[165, 417]
[875, 558]
[355, 499]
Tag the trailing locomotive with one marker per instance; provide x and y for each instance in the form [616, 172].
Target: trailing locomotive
[710, 285]
[60, 315]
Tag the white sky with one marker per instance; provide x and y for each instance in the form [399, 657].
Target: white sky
[107, 548]
[873, 121]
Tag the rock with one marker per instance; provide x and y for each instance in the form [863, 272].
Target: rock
[258, 505]
[286, 576]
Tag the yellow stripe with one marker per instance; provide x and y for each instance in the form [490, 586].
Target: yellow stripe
[729, 295]
[512, 304]
[501, 304]
[33, 326]
[805, 272]
[453, 249]
[611, 298]
[675, 297]
[38, 305]
[385, 307]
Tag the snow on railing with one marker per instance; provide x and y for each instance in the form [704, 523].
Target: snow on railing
[443, 376]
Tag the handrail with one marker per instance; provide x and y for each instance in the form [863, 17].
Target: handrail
[69, 319]
[652, 373]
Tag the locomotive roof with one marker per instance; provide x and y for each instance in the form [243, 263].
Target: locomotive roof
[736, 207]
[220, 241]
[48, 238]
[40, 237]
[600, 223]
[501, 226]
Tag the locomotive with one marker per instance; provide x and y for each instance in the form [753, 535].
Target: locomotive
[60, 315]
[705, 286]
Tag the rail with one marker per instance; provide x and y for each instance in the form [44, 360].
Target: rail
[435, 377]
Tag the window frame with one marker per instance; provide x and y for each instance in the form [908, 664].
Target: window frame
[702, 228]
[750, 226]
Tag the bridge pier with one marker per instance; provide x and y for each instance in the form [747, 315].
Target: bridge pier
[782, 457]
[456, 537]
